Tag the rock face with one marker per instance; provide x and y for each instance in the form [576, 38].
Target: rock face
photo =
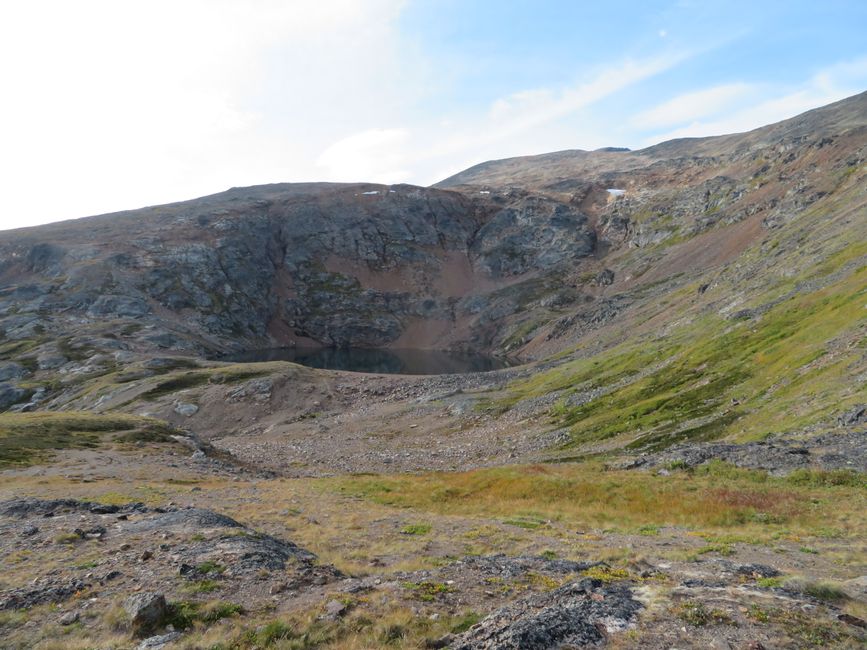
[9, 395]
[333, 264]
[844, 450]
[147, 611]
[575, 615]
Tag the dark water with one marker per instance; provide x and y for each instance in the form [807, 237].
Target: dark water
[400, 362]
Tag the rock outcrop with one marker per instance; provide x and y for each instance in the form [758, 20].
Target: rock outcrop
[579, 614]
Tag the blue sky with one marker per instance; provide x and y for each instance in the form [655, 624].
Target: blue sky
[112, 105]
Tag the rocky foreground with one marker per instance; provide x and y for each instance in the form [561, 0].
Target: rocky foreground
[151, 567]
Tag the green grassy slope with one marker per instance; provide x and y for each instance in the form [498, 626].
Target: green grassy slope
[778, 343]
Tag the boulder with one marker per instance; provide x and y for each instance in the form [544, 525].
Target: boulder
[853, 416]
[160, 641]
[69, 618]
[856, 588]
[578, 614]
[50, 360]
[10, 395]
[604, 278]
[334, 609]
[11, 370]
[147, 611]
[186, 409]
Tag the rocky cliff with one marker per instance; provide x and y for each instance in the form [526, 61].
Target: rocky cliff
[365, 265]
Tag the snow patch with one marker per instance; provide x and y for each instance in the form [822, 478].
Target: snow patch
[371, 192]
[484, 192]
[613, 191]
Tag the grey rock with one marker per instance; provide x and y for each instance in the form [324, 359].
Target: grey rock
[9, 395]
[853, 417]
[228, 292]
[574, 615]
[160, 641]
[509, 568]
[186, 409]
[258, 389]
[183, 519]
[604, 278]
[118, 307]
[441, 642]
[147, 611]
[32, 507]
[45, 259]
[838, 450]
[756, 571]
[533, 233]
[52, 592]
[856, 588]
[334, 609]
[50, 360]
[69, 618]
[11, 370]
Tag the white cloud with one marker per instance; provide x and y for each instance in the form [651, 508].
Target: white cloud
[501, 132]
[114, 105]
[526, 109]
[430, 152]
[692, 106]
[374, 155]
[766, 104]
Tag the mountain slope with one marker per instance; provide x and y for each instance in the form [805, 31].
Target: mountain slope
[681, 460]
[672, 295]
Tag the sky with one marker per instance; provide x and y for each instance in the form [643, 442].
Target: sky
[109, 105]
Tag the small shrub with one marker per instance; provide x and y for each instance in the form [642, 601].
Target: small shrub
[527, 522]
[758, 614]
[465, 622]
[117, 619]
[428, 591]
[416, 529]
[822, 478]
[210, 567]
[723, 549]
[202, 587]
[824, 591]
[769, 583]
[697, 615]
[606, 573]
[182, 614]
[218, 610]
[273, 632]
[392, 634]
